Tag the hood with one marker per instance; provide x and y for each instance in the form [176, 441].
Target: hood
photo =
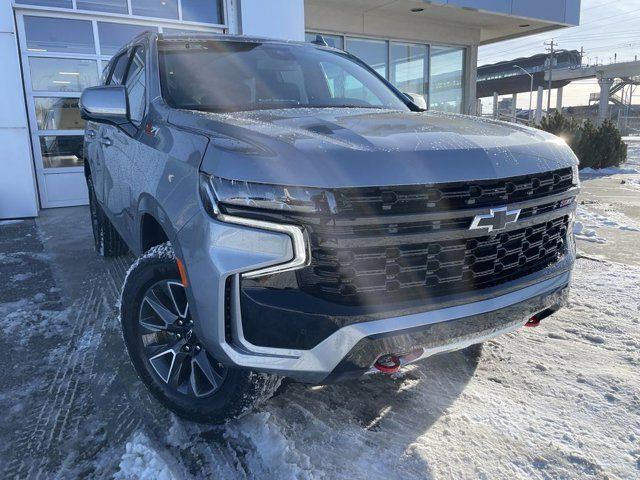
[366, 147]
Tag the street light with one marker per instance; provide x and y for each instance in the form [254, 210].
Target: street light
[530, 90]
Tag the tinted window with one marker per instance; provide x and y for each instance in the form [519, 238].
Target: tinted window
[114, 35]
[58, 35]
[136, 86]
[111, 6]
[119, 70]
[206, 11]
[231, 76]
[155, 8]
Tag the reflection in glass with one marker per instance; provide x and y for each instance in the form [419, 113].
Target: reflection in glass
[58, 35]
[111, 6]
[62, 74]
[334, 41]
[47, 3]
[205, 11]
[447, 79]
[58, 114]
[371, 52]
[62, 151]
[410, 67]
[115, 35]
[155, 8]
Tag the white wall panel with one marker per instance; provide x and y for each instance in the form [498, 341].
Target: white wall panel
[18, 197]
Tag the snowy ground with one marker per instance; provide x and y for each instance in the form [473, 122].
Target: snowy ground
[558, 401]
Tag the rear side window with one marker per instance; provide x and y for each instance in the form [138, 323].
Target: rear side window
[119, 69]
[136, 87]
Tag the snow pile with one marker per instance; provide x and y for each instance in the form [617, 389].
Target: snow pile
[268, 453]
[608, 171]
[587, 234]
[141, 462]
[613, 219]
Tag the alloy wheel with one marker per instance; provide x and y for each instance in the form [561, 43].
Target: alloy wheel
[172, 347]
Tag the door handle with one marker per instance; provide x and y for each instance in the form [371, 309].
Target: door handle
[106, 141]
[91, 133]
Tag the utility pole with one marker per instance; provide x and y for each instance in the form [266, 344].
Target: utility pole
[551, 51]
[581, 55]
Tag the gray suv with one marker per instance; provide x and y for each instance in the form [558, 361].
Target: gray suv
[295, 215]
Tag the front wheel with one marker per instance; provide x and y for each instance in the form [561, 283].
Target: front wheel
[169, 358]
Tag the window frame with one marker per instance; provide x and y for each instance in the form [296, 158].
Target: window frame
[123, 17]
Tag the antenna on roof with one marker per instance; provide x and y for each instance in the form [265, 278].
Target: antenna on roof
[320, 41]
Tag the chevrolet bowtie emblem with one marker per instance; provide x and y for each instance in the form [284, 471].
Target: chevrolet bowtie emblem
[496, 219]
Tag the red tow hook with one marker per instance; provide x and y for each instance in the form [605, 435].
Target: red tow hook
[388, 364]
[533, 322]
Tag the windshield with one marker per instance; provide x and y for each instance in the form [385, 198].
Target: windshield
[227, 76]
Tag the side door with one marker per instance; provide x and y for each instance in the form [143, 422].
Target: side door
[93, 151]
[118, 151]
[136, 85]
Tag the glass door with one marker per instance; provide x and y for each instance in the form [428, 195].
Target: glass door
[62, 54]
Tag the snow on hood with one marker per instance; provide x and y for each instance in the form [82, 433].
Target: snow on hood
[358, 147]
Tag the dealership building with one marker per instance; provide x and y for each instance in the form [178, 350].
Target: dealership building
[52, 49]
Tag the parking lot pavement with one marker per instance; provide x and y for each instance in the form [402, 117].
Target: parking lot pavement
[557, 401]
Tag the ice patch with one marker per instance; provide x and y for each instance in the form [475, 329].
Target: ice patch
[141, 461]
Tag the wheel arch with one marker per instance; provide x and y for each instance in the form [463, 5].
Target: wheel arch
[154, 226]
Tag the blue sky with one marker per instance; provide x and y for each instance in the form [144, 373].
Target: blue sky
[607, 28]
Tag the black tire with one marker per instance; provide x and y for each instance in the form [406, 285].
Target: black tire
[108, 241]
[237, 390]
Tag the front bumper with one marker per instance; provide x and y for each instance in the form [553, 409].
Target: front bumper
[229, 250]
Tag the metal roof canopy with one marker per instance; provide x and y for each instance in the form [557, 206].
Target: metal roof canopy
[492, 20]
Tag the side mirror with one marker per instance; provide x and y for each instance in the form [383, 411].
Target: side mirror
[417, 99]
[106, 104]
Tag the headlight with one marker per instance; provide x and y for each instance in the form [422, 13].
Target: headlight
[268, 197]
[576, 175]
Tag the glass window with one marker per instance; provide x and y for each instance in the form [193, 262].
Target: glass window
[111, 6]
[114, 35]
[136, 86]
[47, 3]
[58, 35]
[235, 76]
[181, 31]
[447, 79]
[409, 70]
[346, 86]
[335, 41]
[371, 52]
[62, 74]
[119, 69]
[155, 8]
[206, 11]
[62, 151]
[58, 114]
